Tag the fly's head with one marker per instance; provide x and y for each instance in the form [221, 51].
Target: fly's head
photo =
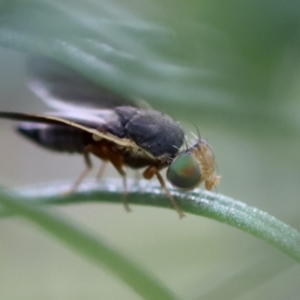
[193, 166]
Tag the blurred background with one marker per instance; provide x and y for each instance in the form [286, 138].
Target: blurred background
[231, 68]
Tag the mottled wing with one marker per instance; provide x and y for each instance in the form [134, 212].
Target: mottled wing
[64, 89]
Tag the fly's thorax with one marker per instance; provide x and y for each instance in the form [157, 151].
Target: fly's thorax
[193, 166]
[153, 131]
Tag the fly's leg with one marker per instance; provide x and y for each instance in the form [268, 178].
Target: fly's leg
[149, 173]
[117, 161]
[101, 170]
[89, 166]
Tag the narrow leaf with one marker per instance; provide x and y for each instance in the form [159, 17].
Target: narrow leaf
[89, 246]
[214, 206]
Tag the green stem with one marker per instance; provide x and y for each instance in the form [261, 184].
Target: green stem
[198, 202]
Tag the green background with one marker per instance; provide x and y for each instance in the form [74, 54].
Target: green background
[232, 69]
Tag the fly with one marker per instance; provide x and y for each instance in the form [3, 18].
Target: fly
[112, 128]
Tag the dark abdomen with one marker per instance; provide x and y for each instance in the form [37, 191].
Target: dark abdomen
[55, 137]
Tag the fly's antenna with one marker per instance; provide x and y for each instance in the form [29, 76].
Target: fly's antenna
[198, 136]
[176, 147]
[197, 129]
[186, 143]
[195, 137]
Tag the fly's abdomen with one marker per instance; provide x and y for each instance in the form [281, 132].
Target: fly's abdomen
[55, 137]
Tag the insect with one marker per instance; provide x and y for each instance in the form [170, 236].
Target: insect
[92, 120]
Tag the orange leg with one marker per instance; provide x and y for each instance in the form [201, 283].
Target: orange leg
[118, 163]
[209, 185]
[106, 155]
[149, 173]
[101, 170]
[89, 166]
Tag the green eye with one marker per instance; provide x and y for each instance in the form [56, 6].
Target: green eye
[184, 172]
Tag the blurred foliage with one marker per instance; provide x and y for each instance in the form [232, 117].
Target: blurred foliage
[230, 67]
[89, 246]
[237, 58]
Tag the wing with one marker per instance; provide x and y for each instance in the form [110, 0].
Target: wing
[54, 120]
[64, 89]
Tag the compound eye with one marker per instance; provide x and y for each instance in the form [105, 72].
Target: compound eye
[184, 172]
